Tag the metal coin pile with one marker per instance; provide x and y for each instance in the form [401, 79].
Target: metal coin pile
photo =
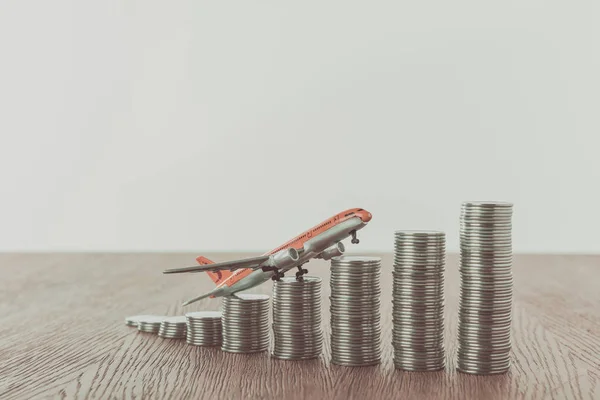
[245, 323]
[173, 328]
[355, 315]
[204, 328]
[135, 320]
[485, 310]
[418, 300]
[149, 323]
[297, 318]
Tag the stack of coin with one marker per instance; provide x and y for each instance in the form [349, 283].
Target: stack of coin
[134, 320]
[355, 310]
[485, 310]
[245, 323]
[173, 328]
[418, 300]
[204, 328]
[297, 318]
[149, 323]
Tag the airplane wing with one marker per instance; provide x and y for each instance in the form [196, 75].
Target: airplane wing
[252, 262]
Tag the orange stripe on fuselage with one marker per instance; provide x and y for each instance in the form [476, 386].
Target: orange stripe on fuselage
[297, 242]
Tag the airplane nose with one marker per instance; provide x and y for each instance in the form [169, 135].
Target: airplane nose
[367, 216]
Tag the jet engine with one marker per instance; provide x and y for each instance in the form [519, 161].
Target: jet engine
[332, 251]
[284, 258]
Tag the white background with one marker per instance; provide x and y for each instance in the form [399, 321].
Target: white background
[235, 125]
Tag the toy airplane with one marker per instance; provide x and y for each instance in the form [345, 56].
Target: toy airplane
[322, 241]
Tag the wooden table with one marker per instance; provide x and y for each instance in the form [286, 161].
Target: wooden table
[63, 335]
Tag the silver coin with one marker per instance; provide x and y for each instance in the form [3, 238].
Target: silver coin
[205, 328]
[204, 315]
[286, 341]
[294, 357]
[247, 297]
[306, 281]
[136, 319]
[355, 351]
[305, 350]
[419, 356]
[355, 356]
[242, 342]
[245, 345]
[151, 319]
[300, 346]
[356, 260]
[204, 344]
[345, 363]
[421, 368]
[244, 351]
[244, 318]
[244, 311]
[417, 266]
[338, 308]
[280, 296]
[205, 332]
[248, 316]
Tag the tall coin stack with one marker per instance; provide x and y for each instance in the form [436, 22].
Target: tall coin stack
[355, 310]
[173, 328]
[418, 300]
[204, 328]
[245, 323]
[297, 318]
[485, 309]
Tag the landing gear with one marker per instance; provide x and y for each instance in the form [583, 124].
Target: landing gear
[354, 238]
[300, 273]
[277, 274]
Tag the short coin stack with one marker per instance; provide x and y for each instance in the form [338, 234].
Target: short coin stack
[149, 323]
[297, 318]
[204, 328]
[135, 320]
[485, 309]
[355, 310]
[173, 328]
[418, 300]
[245, 323]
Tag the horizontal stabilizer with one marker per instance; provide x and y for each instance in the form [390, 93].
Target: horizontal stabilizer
[252, 262]
[195, 299]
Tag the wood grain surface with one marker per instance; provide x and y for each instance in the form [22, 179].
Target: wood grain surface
[62, 334]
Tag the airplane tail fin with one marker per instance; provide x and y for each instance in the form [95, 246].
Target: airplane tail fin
[217, 276]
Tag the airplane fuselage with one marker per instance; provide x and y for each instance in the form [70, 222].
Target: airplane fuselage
[309, 244]
[312, 248]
